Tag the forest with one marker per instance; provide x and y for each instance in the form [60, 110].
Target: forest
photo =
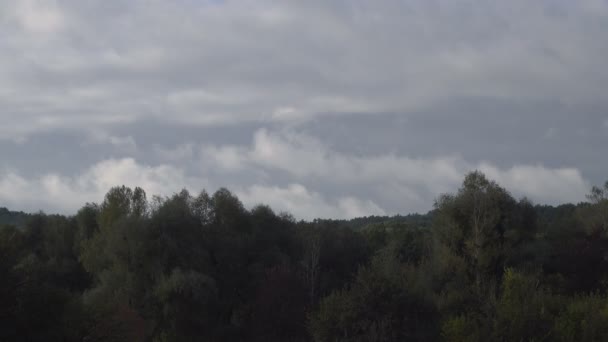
[481, 266]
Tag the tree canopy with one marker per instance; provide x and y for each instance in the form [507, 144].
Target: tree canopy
[481, 266]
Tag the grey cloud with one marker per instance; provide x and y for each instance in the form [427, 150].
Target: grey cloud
[376, 91]
[92, 63]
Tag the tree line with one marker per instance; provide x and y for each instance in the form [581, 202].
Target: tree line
[481, 266]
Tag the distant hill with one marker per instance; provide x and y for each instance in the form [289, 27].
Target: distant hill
[15, 218]
[549, 216]
[416, 220]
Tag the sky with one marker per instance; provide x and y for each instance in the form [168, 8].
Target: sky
[331, 109]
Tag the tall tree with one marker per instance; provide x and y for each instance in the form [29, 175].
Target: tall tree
[470, 230]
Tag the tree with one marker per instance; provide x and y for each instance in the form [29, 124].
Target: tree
[595, 215]
[188, 303]
[525, 311]
[470, 230]
[279, 307]
[582, 318]
[310, 263]
[386, 302]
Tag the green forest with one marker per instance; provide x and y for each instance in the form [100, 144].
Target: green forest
[481, 266]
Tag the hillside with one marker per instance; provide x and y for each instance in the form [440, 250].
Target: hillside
[15, 218]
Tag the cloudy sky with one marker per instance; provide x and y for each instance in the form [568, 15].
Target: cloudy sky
[321, 108]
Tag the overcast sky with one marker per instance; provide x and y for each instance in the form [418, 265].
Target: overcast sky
[321, 108]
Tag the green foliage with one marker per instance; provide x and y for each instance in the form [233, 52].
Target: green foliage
[388, 301]
[376, 307]
[524, 310]
[460, 329]
[473, 225]
[38, 279]
[471, 246]
[595, 215]
[187, 303]
[481, 267]
[585, 318]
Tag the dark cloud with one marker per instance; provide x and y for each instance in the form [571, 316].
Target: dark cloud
[380, 94]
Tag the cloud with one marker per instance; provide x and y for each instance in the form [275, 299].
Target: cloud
[126, 144]
[56, 193]
[180, 153]
[303, 156]
[539, 183]
[317, 180]
[304, 204]
[411, 182]
[388, 102]
[229, 158]
[217, 63]
[39, 16]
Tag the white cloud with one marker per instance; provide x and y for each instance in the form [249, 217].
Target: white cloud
[229, 158]
[305, 157]
[304, 204]
[56, 193]
[413, 183]
[39, 16]
[321, 182]
[539, 183]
